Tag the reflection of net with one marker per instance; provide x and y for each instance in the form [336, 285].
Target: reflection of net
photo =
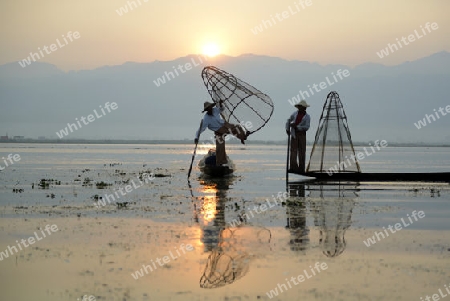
[333, 145]
[242, 102]
[230, 262]
[334, 190]
[334, 218]
[222, 269]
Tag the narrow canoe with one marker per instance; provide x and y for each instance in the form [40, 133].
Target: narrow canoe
[207, 165]
[382, 177]
[216, 171]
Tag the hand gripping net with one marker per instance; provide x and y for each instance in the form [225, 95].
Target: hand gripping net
[243, 103]
[333, 148]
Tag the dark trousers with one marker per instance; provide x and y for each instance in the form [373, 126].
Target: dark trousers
[298, 152]
[227, 128]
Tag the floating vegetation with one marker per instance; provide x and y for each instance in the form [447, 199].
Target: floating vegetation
[45, 183]
[122, 205]
[122, 182]
[160, 175]
[434, 192]
[146, 175]
[87, 182]
[20, 207]
[102, 185]
[120, 172]
[96, 197]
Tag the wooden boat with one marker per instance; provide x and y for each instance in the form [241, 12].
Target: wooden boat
[207, 165]
[381, 177]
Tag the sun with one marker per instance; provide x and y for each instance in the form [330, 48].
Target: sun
[211, 50]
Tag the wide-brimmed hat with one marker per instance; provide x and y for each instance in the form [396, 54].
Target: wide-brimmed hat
[207, 104]
[302, 104]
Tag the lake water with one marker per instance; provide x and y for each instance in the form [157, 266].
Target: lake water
[260, 174]
[250, 231]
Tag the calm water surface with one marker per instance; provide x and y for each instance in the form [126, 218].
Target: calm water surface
[311, 220]
[259, 176]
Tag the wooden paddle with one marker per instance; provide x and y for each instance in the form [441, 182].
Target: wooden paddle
[287, 159]
[195, 150]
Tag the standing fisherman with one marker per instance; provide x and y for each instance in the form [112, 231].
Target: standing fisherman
[296, 127]
[213, 121]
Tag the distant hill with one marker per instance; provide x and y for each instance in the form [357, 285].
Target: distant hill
[381, 102]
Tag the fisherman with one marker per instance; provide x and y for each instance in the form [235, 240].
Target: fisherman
[296, 127]
[213, 121]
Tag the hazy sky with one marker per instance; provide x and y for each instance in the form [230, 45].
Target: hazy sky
[327, 31]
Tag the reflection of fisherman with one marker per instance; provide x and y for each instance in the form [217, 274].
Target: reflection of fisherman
[224, 265]
[214, 214]
[296, 219]
[221, 128]
[231, 249]
[296, 127]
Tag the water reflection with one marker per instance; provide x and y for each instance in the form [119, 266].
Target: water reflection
[331, 207]
[212, 210]
[231, 248]
[296, 218]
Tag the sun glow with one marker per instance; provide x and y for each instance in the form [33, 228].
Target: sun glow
[211, 50]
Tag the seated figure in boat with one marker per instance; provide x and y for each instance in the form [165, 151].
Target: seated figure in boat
[213, 121]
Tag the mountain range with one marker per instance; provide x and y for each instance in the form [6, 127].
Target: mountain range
[161, 100]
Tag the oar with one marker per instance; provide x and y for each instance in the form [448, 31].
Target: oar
[195, 150]
[287, 159]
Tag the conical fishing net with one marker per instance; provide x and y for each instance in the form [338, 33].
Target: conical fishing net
[333, 150]
[243, 103]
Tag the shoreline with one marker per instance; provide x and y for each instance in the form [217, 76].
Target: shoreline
[189, 142]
